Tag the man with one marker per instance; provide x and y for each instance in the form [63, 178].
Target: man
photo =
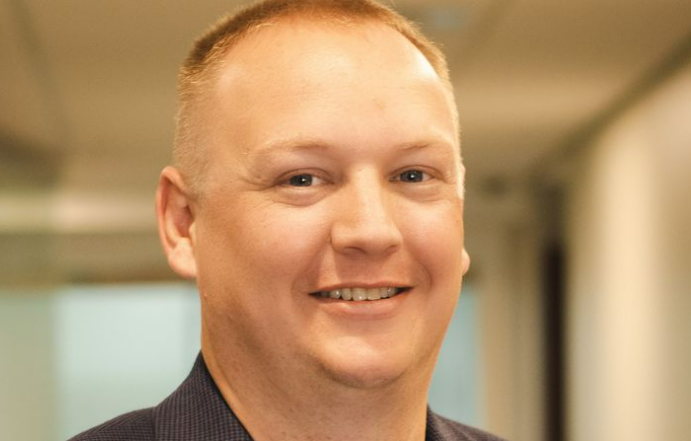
[317, 199]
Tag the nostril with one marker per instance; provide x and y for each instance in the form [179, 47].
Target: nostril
[369, 237]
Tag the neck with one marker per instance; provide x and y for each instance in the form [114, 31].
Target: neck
[287, 406]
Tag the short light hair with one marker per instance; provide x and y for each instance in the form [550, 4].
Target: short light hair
[203, 63]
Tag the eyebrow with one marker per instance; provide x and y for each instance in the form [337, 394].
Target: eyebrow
[288, 146]
[298, 145]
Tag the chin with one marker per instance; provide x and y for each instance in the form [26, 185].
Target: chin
[367, 367]
[363, 377]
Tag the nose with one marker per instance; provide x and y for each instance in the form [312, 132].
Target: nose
[366, 219]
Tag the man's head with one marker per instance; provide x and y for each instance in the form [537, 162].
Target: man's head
[205, 62]
[332, 173]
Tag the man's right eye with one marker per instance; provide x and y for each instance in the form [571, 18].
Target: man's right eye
[303, 180]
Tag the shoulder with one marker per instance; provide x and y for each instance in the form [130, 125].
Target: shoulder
[449, 430]
[132, 426]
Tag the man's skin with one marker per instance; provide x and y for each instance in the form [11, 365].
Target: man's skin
[334, 162]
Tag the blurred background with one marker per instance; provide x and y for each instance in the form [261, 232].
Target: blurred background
[575, 321]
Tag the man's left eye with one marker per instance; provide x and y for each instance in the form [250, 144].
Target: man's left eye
[302, 180]
[413, 176]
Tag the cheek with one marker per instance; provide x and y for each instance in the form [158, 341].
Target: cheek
[260, 244]
[436, 243]
[288, 241]
[435, 239]
[251, 259]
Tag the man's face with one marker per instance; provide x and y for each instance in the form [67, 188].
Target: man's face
[334, 169]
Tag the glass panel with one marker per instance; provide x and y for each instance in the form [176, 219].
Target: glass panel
[121, 348]
[454, 392]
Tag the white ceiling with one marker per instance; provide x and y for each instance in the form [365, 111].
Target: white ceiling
[88, 87]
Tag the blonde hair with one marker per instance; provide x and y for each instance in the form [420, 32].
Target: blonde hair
[203, 62]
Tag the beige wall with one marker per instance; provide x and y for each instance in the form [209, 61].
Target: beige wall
[629, 313]
[504, 239]
[27, 364]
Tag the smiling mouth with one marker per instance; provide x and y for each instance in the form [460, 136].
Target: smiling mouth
[361, 294]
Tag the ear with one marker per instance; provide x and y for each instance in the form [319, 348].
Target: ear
[176, 222]
[465, 261]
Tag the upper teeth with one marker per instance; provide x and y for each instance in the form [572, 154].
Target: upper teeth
[358, 294]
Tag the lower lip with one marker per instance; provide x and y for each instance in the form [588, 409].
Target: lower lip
[363, 309]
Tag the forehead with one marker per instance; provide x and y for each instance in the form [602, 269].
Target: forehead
[297, 73]
[305, 49]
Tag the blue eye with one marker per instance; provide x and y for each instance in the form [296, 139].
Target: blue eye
[412, 176]
[304, 180]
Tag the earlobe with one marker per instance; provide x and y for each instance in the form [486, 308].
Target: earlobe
[176, 223]
[465, 258]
